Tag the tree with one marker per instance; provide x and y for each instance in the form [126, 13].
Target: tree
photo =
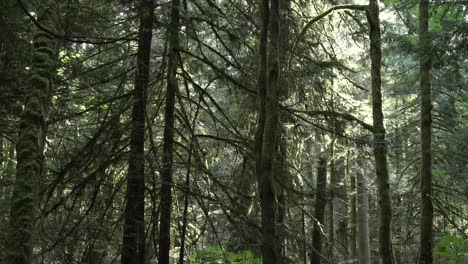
[379, 144]
[353, 216]
[269, 138]
[363, 218]
[133, 247]
[168, 144]
[267, 126]
[426, 135]
[320, 203]
[30, 147]
[223, 125]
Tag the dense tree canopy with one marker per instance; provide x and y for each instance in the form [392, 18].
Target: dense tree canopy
[229, 131]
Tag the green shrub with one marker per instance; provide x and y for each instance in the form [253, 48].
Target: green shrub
[451, 250]
[215, 255]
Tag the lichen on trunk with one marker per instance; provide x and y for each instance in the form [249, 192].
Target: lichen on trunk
[29, 148]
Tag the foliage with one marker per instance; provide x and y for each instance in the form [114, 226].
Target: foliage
[82, 189]
[451, 250]
[215, 255]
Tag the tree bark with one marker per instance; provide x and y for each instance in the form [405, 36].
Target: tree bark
[320, 203]
[168, 137]
[363, 219]
[267, 124]
[380, 148]
[426, 135]
[8, 174]
[281, 222]
[282, 144]
[133, 245]
[187, 186]
[270, 132]
[353, 226]
[304, 239]
[340, 210]
[261, 89]
[29, 148]
[331, 209]
[1, 150]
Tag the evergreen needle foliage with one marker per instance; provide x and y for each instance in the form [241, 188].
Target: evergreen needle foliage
[227, 131]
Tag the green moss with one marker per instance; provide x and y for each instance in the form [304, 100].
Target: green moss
[36, 79]
[41, 57]
[20, 230]
[46, 50]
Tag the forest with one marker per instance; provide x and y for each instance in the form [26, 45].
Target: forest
[234, 131]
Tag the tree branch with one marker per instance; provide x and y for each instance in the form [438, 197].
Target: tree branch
[345, 116]
[324, 14]
[101, 40]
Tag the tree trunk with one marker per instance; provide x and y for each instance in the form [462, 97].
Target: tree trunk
[281, 222]
[304, 239]
[94, 229]
[282, 176]
[1, 151]
[29, 148]
[320, 203]
[426, 135]
[269, 144]
[363, 219]
[380, 148]
[133, 244]
[8, 173]
[261, 89]
[282, 167]
[267, 202]
[168, 137]
[187, 187]
[337, 209]
[353, 226]
[100, 195]
[267, 125]
[331, 249]
[341, 209]
[331, 210]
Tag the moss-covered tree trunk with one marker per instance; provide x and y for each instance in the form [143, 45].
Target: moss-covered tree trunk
[380, 145]
[426, 135]
[168, 137]
[133, 247]
[29, 148]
